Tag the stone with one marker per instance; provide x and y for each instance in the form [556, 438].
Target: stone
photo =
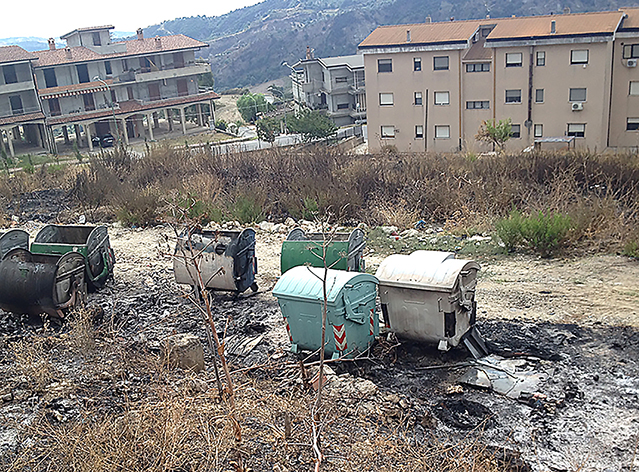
[410, 233]
[266, 226]
[184, 351]
[290, 222]
[389, 229]
[366, 387]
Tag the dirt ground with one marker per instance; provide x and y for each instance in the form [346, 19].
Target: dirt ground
[573, 322]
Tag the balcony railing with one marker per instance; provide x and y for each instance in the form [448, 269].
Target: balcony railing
[143, 74]
[5, 113]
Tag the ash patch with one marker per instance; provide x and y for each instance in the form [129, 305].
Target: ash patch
[42, 206]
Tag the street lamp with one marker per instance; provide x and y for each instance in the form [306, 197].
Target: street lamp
[117, 128]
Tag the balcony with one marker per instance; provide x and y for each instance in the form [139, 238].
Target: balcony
[5, 113]
[166, 72]
[17, 87]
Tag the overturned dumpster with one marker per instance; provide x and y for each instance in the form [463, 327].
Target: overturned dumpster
[35, 283]
[91, 242]
[352, 322]
[12, 239]
[430, 296]
[225, 260]
[344, 252]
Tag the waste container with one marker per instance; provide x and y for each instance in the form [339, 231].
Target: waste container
[226, 260]
[430, 296]
[345, 252]
[12, 239]
[36, 283]
[352, 322]
[92, 242]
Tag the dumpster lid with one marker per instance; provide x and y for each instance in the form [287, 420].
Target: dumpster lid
[305, 282]
[423, 270]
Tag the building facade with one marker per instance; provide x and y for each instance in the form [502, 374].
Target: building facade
[569, 78]
[333, 84]
[94, 87]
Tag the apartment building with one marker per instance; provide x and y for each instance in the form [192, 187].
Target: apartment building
[94, 87]
[333, 84]
[568, 79]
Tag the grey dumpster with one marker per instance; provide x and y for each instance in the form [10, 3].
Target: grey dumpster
[430, 296]
[226, 260]
[352, 323]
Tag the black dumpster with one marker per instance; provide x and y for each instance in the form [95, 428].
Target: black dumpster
[12, 239]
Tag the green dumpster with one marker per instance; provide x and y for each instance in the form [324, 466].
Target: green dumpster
[352, 322]
[92, 242]
[345, 252]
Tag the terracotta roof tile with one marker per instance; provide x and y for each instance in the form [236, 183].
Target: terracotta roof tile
[88, 28]
[478, 52]
[65, 90]
[425, 33]
[15, 54]
[22, 118]
[134, 47]
[632, 21]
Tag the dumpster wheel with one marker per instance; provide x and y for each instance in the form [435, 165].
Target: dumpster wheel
[254, 287]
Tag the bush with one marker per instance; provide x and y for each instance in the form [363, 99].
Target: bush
[543, 233]
[221, 125]
[138, 208]
[247, 209]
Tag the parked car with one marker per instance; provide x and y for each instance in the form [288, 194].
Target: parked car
[105, 141]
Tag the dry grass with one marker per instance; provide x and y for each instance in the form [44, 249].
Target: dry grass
[32, 362]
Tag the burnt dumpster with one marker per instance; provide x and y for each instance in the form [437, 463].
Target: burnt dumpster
[430, 296]
[226, 260]
[36, 283]
[345, 251]
[352, 322]
[91, 242]
[12, 239]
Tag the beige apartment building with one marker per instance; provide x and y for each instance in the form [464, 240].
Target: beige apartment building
[563, 80]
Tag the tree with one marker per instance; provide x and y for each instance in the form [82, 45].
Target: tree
[312, 125]
[250, 104]
[496, 133]
[206, 80]
[277, 92]
[268, 129]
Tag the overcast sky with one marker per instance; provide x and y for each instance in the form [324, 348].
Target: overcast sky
[51, 18]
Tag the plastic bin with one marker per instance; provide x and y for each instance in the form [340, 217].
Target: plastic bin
[226, 260]
[352, 323]
[92, 242]
[344, 253]
[430, 296]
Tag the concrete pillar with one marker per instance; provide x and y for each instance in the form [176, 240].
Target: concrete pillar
[212, 114]
[65, 132]
[156, 121]
[200, 117]
[87, 129]
[2, 146]
[10, 142]
[149, 122]
[39, 129]
[183, 120]
[169, 118]
[125, 132]
[78, 138]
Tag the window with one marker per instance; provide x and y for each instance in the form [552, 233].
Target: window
[154, 91]
[386, 99]
[577, 130]
[50, 79]
[113, 97]
[83, 73]
[579, 56]
[440, 63]
[417, 64]
[541, 58]
[577, 94]
[10, 76]
[342, 106]
[125, 65]
[341, 80]
[182, 88]
[632, 124]
[479, 67]
[513, 96]
[442, 132]
[539, 131]
[515, 131]
[129, 93]
[419, 131]
[478, 105]
[89, 102]
[539, 96]
[634, 88]
[442, 98]
[384, 65]
[107, 67]
[16, 105]
[96, 39]
[54, 107]
[388, 131]
[631, 51]
[514, 59]
[418, 98]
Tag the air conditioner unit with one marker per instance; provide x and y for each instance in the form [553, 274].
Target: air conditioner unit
[577, 106]
[631, 63]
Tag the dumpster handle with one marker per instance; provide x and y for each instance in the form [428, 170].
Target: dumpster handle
[104, 272]
[350, 314]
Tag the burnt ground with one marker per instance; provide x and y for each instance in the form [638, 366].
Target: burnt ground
[586, 418]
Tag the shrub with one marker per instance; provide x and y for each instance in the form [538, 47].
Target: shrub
[221, 125]
[247, 209]
[543, 233]
[509, 230]
[138, 208]
[631, 248]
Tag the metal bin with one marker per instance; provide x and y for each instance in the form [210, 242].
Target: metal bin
[12, 239]
[344, 253]
[352, 323]
[92, 242]
[35, 283]
[226, 260]
[430, 296]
